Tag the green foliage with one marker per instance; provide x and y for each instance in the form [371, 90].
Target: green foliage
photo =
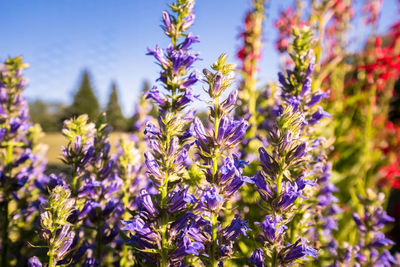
[115, 118]
[85, 100]
[49, 115]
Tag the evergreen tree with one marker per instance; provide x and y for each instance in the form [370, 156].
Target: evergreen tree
[85, 101]
[114, 113]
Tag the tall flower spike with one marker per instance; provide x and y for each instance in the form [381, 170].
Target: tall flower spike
[222, 168]
[22, 161]
[250, 56]
[287, 161]
[372, 246]
[100, 191]
[80, 148]
[56, 230]
[156, 236]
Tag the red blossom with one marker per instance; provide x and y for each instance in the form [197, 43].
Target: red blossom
[285, 24]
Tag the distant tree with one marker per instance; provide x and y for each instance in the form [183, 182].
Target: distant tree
[113, 110]
[47, 114]
[85, 100]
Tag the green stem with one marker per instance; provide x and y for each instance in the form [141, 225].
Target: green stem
[164, 221]
[274, 262]
[5, 207]
[51, 259]
[5, 233]
[369, 134]
[280, 177]
[216, 127]
[214, 223]
[75, 177]
[99, 247]
[125, 252]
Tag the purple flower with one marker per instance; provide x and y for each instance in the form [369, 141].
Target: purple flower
[236, 228]
[152, 166]
[199, 130]
[316, 98]
[146, 203]
[257, 258]
[380, 240]
[155, 95]
[166, 20]
[262, 186]
[239, 132]
[158, 54]
[230, 101]
[272, 229]
[178, 199]
[211, 199]
[34, 262]
[186, 98]
[318, 115]
[188, 22]
[299, 250]
[189, 40]
[192, 79]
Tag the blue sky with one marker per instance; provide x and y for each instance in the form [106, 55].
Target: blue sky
[110, 37]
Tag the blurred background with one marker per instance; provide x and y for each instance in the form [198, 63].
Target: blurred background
[89, 56]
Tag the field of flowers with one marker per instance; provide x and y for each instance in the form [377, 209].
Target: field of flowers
[299, 172]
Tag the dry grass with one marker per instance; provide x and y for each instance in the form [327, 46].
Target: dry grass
[56, 140]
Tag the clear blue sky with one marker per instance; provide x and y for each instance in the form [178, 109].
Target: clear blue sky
[109, 37]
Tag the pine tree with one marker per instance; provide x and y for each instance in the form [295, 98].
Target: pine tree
[85, 100]
[114, 113]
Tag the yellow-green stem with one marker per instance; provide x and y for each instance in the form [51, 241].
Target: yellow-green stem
[164, 221]
[214, 223]
[5, 204]
[280, 178]
[125, 251]
[216, 127]
[369, 134]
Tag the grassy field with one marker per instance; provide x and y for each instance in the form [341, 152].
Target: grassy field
[56, 140]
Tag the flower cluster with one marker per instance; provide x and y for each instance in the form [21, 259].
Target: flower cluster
[56, 230]
[287, 163]
[161, 229]
[223, 169]
[285, 24]
[21, 156]
[371, 249]
[250, 55]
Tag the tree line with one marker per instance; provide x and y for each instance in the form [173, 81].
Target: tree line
[50, 115]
